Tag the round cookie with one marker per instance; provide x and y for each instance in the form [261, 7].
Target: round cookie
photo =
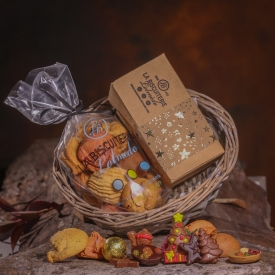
[152, 193]
[206, 225]
[70, 156]
[227, 243]
[67, 243]
[132, 201]
[140, 195]
[116, 129]
[106, 195]
[95, 153]
[104, 185]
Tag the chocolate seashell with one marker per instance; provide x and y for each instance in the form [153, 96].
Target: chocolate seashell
[213, 245]
[205, 250]
[216, 252]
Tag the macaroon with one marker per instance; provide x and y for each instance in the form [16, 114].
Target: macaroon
[227, 243]
[209, 228]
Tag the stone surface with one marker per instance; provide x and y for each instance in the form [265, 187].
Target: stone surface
[33, 261]
[30, 175]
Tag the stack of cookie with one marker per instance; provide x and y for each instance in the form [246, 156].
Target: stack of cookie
[107, 166]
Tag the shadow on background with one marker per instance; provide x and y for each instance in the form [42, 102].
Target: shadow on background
[224, 49]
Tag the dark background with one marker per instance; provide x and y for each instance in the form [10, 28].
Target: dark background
[224, 49]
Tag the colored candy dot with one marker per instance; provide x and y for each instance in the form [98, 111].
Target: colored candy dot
[177, 231]
[178, 224]
[181, 237]
[185, 240]
[173, 246]
[171, 240]
[118, 184]
[132, 174]
[144, 165]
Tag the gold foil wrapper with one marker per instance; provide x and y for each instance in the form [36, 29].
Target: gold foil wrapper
[114, 247]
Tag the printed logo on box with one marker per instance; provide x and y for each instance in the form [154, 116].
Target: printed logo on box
[150, 92]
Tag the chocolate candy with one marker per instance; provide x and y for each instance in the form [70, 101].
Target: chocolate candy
[209, 250]
[147, 254]
[125, 262]
[190, 249]
[142, 237]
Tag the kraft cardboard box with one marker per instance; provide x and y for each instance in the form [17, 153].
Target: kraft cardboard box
[155, 106]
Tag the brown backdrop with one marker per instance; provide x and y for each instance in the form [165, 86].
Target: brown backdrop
[224, 49]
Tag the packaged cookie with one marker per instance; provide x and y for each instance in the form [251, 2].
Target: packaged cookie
[107, 166]
[103, 161]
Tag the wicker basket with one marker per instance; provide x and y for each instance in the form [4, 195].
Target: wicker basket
[203, 188]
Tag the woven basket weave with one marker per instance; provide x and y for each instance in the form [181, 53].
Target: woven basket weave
[198, 191]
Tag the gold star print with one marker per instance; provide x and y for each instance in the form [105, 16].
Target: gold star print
[184, 154]
[159, 154]
[179, 114]
[178, 217]
[149, 133]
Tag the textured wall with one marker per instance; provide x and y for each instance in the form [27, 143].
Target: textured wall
[224, 49]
